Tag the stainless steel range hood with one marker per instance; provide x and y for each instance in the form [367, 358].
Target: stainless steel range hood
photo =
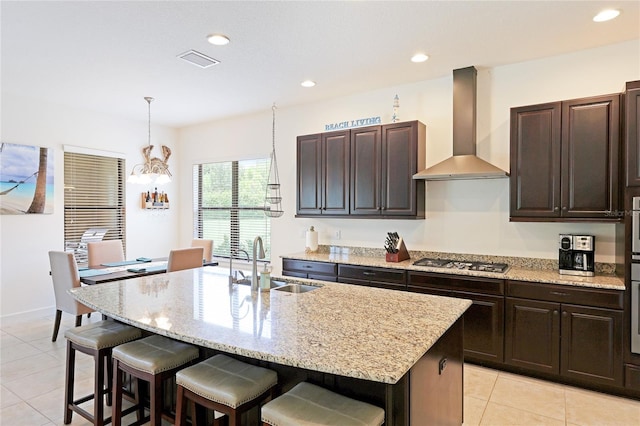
[464, 164]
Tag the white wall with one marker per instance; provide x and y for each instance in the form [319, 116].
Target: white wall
[462, 216]
[26, 287]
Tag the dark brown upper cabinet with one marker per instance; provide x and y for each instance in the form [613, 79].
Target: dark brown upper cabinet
[372, 179]
[565, 160]
[632, 132]
[383, 161]
[323, 174]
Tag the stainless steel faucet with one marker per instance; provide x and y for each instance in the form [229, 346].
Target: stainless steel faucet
[254, 271]
[234, 279]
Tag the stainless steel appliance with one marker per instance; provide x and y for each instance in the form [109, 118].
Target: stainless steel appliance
[635, 308]
[576, 255]
[635, 229]
[458, 264]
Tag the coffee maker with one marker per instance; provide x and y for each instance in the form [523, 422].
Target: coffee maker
[576, 255]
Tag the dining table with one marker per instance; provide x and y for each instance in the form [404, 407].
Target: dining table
[127, 269]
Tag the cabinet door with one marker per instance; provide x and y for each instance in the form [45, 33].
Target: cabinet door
[592, 344]
[532, 339]
[632, 132]
[309, 174]
[365, 171]
[335, 173]
[483, 327]
[323, 174]
[535, 161]
[590, 156]
[399, 164]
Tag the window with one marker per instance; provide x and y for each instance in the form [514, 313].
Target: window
[228, 203]
[94, 200]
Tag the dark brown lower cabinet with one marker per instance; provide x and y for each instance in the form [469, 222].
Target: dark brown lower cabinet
[391, 279]
[483, 321]
[324, 271]
[576, 342]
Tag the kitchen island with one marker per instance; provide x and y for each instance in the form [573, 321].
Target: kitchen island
[400, 351]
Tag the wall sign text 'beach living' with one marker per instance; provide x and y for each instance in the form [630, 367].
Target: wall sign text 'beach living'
[353, 123]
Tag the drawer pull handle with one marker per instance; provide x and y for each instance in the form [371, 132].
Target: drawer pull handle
[558, 293]
[369, 274]
[307, 266]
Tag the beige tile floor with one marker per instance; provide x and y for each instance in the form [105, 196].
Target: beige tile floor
[32, 387]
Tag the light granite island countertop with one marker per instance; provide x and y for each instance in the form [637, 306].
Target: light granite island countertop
[367, 334]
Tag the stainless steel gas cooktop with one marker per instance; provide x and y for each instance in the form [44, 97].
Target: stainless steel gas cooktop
[457, 264]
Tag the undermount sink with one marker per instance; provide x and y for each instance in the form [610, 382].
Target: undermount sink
[296, 288]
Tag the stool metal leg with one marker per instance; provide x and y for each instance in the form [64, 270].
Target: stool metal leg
[156, 400]
[116, 388]
[68, 382]
[98, 390]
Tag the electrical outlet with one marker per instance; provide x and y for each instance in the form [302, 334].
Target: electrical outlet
[337, 234]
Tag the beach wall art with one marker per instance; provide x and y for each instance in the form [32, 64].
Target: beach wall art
[26, 179]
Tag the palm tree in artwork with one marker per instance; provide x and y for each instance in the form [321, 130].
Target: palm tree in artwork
[40, 194]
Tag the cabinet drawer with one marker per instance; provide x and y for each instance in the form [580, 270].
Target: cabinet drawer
[595, 297]
[378, 284]
[309, 267]
[372, 274]
[455, 282]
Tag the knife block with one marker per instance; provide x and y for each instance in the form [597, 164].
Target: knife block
[401, 255]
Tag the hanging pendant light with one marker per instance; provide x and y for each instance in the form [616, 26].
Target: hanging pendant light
[154, 170]
[272, 198]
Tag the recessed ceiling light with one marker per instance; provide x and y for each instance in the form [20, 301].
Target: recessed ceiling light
[218, 39]
[308, 83]
[606, 15]
[419, 57]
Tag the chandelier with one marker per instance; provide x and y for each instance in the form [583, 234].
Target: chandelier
[153, 170]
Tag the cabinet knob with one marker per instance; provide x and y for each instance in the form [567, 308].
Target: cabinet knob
[564, 313]
[555, 312]
[564, 209]
[555, 209]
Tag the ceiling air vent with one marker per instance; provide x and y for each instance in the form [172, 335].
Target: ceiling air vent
[198, 59]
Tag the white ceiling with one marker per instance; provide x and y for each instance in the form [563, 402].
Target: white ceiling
[106, 56]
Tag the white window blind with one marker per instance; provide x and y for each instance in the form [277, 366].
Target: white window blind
[228, 202]
[94, 200]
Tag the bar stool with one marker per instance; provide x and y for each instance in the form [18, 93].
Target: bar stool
[153, 359]
[311, 404]
[223, 384]
[98, 340]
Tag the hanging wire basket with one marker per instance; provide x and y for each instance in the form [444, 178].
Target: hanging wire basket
[272, 197]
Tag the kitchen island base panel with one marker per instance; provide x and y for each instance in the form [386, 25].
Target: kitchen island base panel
[431, 393]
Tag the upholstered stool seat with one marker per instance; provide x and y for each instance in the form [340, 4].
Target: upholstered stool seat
[97, 340]
[153, 359]
[308, 404]
[223, 384]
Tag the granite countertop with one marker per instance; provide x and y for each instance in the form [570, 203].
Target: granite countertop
[521, 269]
[366, 333]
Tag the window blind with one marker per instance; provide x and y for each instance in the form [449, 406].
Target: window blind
[228, 203]
[94, 199]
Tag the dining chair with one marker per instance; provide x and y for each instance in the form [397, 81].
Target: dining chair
[64, 274]
[100, 252]
[207, 245]
[185, 258]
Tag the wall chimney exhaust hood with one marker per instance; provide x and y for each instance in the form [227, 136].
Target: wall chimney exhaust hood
[464, 164]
